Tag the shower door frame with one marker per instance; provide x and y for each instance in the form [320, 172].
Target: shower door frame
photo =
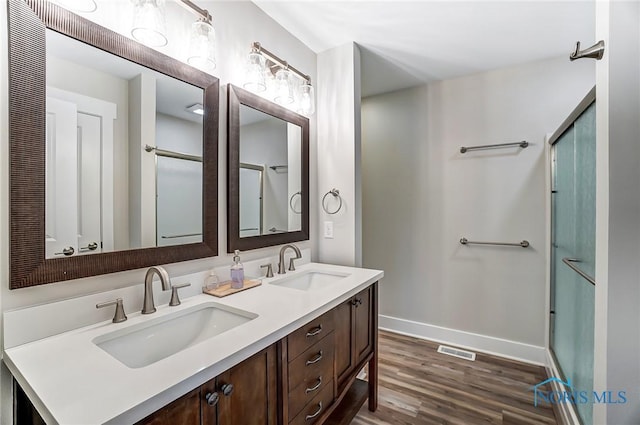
[585, 103]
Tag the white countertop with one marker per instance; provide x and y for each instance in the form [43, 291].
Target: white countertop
[70, 380]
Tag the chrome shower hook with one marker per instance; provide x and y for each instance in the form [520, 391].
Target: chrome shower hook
[336, 194]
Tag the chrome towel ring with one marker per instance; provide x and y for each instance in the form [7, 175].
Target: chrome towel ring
[336, 194]
[291, 202]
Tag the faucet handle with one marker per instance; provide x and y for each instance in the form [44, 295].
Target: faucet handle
[119, 315]
[269, 269]
[175, 300]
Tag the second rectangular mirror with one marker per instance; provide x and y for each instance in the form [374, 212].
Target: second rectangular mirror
[268, 182]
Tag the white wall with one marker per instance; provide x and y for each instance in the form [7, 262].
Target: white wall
[617, 340]
[421, 195]
[238, 24]
[339, 152]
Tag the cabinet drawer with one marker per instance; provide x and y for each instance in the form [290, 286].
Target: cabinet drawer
[315, 361]
[303, 338]
[316, 407]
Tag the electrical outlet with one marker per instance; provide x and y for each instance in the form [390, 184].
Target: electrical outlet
[328, 229]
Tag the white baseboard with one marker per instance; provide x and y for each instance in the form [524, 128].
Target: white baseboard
[483, 343]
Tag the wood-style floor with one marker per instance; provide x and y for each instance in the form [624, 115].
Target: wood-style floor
[417, 386]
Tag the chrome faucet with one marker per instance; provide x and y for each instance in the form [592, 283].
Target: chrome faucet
[148, 305]
[292, 267]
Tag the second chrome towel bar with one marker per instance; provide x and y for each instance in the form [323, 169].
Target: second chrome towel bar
[522, 144]
[523, 244]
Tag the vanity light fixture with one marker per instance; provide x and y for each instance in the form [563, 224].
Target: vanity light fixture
[256, 81]
[82, 6]
[202, 38]
[196, 108]
[149, 23]
[291, 85]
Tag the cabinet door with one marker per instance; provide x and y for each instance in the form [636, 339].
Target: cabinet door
[343, 337]
[363, 340]
[185, 410]
[253, 400]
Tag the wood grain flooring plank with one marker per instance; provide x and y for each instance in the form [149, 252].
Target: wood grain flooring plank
[418, 385]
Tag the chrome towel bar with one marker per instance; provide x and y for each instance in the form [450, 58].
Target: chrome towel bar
[522, 144]
[569, 262]
[523, 244]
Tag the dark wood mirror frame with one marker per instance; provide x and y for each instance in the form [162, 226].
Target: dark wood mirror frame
[28, 20]
[237, 97]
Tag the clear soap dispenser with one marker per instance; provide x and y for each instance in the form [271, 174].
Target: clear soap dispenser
[237, 272]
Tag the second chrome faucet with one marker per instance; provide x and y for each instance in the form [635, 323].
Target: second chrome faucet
[292, 267]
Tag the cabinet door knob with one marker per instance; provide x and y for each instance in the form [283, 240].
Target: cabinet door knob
[212, 398]
[227, 389]
[90, 247]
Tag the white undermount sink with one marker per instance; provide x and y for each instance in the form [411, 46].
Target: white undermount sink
[310, 280]
[148, 342]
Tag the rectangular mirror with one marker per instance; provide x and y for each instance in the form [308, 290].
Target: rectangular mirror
[113, 151]
[268, 181]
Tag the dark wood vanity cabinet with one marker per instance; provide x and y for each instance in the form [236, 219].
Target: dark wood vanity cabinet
[354, 337]
[308, 377]
[245, 394]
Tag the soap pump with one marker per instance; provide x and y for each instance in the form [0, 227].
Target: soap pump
[237, 272]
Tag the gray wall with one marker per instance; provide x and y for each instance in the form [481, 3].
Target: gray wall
[420, 196]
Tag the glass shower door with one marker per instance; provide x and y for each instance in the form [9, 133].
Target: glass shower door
[573, 255]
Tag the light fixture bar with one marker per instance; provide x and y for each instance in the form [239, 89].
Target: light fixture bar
[275, 59]
[196, 10]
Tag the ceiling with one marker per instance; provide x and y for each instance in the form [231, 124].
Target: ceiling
[406, 43]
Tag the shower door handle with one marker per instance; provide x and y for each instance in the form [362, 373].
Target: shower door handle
[569, 262]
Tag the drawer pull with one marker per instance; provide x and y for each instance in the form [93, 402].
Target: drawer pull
[315, 387]
[306, 418]
[316, 359]
[315, 331]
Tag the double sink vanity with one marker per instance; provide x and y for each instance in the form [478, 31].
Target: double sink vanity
[287, 351]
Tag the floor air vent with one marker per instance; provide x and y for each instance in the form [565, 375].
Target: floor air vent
[467, 355]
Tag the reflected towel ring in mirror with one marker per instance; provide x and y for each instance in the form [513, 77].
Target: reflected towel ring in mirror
[291, 202]
[336, 194]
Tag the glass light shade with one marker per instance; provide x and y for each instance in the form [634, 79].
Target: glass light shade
[283, 93]
[255, 80]
[306, 99]
[202, 46]
[83, 6]
[149, 26]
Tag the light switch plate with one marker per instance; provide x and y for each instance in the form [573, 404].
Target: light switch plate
[328, 229]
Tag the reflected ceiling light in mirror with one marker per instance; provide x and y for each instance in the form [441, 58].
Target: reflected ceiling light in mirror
[196, 108]
[255, 80]
[149, 24]
[82, 6]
